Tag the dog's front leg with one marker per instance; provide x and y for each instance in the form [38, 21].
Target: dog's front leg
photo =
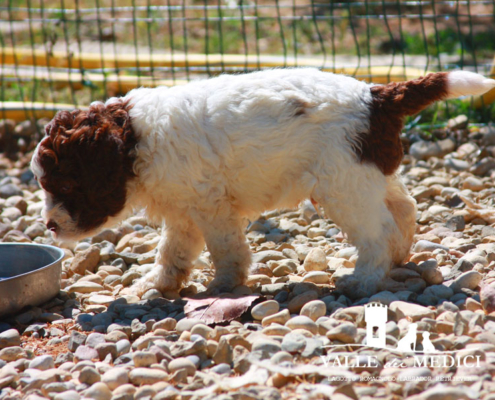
[180, 245]
[230, 253]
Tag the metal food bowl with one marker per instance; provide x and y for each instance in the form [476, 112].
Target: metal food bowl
[29, 275]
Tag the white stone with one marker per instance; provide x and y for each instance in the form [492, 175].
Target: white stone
[314, 309]
[413, 311]
[265, 309]
[316, 260]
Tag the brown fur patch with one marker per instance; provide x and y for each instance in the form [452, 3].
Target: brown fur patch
[391, 104]
[87, 159]
[299, 106]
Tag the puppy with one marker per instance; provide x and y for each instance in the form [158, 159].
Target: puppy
[200, 158]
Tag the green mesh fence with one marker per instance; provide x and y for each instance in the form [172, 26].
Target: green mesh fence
[77, 51]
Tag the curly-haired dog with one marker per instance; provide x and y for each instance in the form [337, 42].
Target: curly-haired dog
[202, 157]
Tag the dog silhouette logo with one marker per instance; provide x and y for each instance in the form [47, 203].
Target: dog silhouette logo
[427, 345]
[408, 342]
[376, 321]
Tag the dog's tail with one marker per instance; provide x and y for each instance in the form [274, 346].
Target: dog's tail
[410, 97]
[393, 102]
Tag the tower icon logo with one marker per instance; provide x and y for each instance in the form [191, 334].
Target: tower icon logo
[376, 315]
[376, 319]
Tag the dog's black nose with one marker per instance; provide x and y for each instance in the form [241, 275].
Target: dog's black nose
[52, 225]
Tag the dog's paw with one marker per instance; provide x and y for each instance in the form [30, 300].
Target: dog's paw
[219, 286]
[154, 280]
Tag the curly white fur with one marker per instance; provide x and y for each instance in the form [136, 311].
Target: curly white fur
[215, 151]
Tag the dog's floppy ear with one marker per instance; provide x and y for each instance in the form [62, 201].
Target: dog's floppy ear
[86, 160]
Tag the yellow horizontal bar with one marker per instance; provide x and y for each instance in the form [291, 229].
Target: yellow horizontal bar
[114, 83]
[23, 110]
[60, 59]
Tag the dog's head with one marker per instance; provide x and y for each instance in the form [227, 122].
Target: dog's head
[84, 165]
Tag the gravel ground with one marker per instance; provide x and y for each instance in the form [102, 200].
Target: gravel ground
[293, 336]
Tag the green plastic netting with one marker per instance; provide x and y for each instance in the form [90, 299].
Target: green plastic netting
[77, 51]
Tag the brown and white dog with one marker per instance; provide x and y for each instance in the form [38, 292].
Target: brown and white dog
[200, 158]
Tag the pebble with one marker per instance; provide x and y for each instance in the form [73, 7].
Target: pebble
[184, 363]
[314, 309]
[276, 330]
[94, 339]
[425, 245]
[12, 353]
[89, 376]
[187, 324]
[347, 253]
[335, 263]
[224, 352]
[265, 309]
[432, 276]
[318, 277]
[299, 301]
[281, 357]
[146, 376]
[467, 280]
[439, 291]
[76, 339]
[98, 391]
[413, 311]
[292, 343]
[423, 150]
[85, 353]
[10, 337]
[100, 299]
[115, 377]
[487, 297]
[143, 359]
[68, 395]
[302, 322]
[222, 369]
[9, 190]
[316, 260]
[202, 330]
[346, 332]
[42, 362]
[167, 324]
[473, 184]
[384, 297]
[267, 347]
[279, 318]
[263, 257]
[85, 260]
[84, 287]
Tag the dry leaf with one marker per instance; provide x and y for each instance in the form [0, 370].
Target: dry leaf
[215, 310]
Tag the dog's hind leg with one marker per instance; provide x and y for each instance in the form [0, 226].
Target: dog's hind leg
[403, 208]
[224, 235]
[180, 245]
[357, 202]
